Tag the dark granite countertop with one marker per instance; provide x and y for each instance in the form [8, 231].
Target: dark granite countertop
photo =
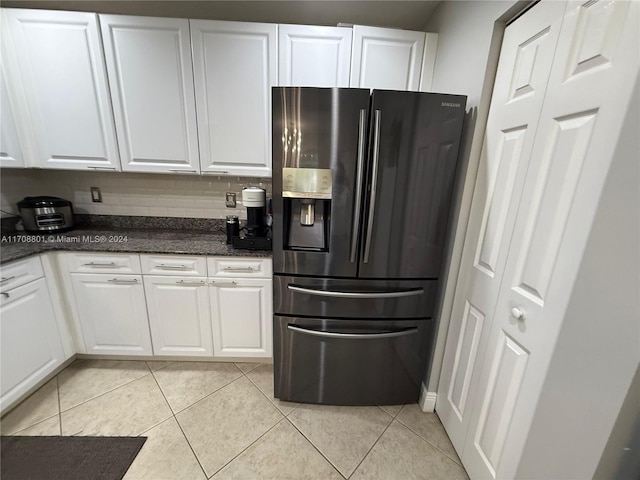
[125, 240]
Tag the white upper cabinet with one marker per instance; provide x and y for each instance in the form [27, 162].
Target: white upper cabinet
[151, 83]
[387, 59]
[235, 66]
[312, 56]
[10, 151]
[61, 69]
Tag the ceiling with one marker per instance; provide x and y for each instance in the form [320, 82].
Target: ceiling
[409, 15]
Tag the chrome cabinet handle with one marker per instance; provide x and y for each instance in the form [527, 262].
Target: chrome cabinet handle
[100, 265]
[162, 266]
[102, 168]
[6, 279]
[238, 269]
[359, 174]
[374, 185]
[331, 293]
[222, 284]
[365, 336]
[119, 280]
[185, 282]
[213, 172]
[178, 170]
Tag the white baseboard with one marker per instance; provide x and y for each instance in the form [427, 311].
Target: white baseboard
[427, 399]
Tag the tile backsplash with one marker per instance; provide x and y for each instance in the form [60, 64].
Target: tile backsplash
[139, 194]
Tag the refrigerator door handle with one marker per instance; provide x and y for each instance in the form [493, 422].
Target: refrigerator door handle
[333, 293]
[367, 336]
[359, 174]
[374, 183]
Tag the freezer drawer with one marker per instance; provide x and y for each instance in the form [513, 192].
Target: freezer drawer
[355, 298]
[350, 362]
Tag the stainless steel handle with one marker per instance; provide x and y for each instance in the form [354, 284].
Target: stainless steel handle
[359, 173]
[222, 284]
[6, 279]
[100, 265]
[330, 293]
[119, 280]
[238, 269]
[374, 184]
[5, 294]
[179, 170]
[183, 282]
[102, 168]
[162, 266]
[370, 336]
[215, 172]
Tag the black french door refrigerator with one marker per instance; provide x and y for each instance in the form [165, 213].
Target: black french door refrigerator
[362, 185]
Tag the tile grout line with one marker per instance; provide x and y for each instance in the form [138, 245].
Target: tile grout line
[372, 446]
[429, 442]
[173, 415]
[59, 405]
[269, 399]
[316, 448]
[247, 447]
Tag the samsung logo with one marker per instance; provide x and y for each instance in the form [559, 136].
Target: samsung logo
[448, 104]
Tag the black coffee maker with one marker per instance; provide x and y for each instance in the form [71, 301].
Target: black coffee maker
[255, 235]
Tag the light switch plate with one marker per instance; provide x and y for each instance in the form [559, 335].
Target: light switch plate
[96, 195]
[231, 200]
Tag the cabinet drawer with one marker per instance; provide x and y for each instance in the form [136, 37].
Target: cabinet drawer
[20, 272]
[103, 263]
[239, 267]
[182, 265]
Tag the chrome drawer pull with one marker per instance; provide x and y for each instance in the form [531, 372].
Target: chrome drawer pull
[172, 267]
[222, 284]
[119, 280]
[100, 265]
[370, 336]
[6, 279]
[214, 172]
[238, 269]
[183, 282]
[102, 168]
[329, 293]
[178, 170]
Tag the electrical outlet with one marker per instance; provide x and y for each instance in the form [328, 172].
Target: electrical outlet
[231, 200]
[96, 195]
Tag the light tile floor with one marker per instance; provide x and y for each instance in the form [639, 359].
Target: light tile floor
[220, 421]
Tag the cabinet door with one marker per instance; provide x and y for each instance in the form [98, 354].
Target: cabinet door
[61, 68]
[386, 59]
[112, 313]
[310, 56]
[235, 68]
[10, 151]
[30, 342]
[241, 311]
[151, 83]
[179, 315]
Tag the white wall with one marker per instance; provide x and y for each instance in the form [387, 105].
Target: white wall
[139, 194]
[598, 348]
[469, 39]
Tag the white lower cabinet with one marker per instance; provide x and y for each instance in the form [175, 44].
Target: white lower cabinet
[241, 311]
[112, 313]
[179, 315]
[30, 344]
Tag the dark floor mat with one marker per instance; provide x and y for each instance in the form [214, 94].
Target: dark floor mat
[69, 458]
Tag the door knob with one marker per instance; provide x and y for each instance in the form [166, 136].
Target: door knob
[517, 313]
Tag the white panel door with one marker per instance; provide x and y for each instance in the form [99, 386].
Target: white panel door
[242, 315]
[61, 68]
[594, 71]
[112, 313]
[151, 83]
[520, 85]
[179, 315]
[10, 150]
[235, 66]
[312, 56]
[386, 58]
[30, 342]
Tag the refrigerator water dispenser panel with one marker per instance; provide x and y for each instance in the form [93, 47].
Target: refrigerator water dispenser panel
[306, 195]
